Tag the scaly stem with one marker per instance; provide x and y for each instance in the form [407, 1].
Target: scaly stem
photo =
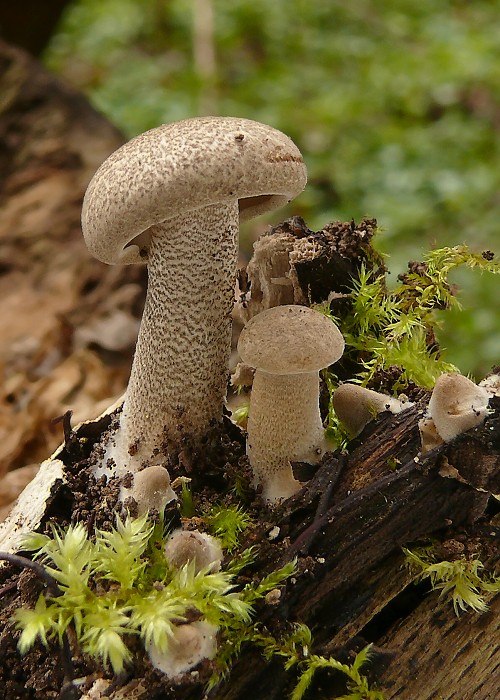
[284, 425]
[179, 374]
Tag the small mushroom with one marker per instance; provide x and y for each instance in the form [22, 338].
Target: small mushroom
[287, 345]
[355, 406]
[150, 490]
[184, 546]
[189, 644]
[457, 405]
[173, 197]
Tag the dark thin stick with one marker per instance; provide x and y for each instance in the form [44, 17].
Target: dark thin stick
[40, 571]
[55, 592]
[306, 538]
[7, 588]
[65, 419]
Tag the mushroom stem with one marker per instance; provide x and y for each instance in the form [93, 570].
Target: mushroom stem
[278, 399]
[185, 336]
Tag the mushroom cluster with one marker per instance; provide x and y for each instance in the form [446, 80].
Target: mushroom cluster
[287, 345]
[173, 198]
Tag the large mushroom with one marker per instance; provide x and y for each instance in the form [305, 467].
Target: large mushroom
[173, 197]
[287, 345]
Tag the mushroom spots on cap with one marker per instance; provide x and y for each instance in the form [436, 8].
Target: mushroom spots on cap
[287, 345]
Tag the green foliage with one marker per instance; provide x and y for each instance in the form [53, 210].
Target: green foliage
[357, 684]
[393, 104]
[240, 414]
[253, 592]
[227, 523]
[385, 328]
[461, 579]
[119, 584]
[294, 650]
[186, 506]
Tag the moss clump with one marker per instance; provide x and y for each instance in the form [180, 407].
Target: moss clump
[119, 583]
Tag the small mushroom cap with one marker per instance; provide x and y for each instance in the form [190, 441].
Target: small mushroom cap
[457, 405]
[188, 645]
[290, 339]
[150, 489]
[183, 166]
[184, 546]
[356, 406]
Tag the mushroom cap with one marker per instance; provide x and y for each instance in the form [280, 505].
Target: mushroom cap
[356, 406]
[150, 489]
[184, 546]
[188, 645]
[290, 339]
[457, 405]
[183, 166]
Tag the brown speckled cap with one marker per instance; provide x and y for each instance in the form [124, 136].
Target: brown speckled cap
[183, 166]
[290, 339]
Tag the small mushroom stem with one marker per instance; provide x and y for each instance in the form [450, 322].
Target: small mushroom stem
[185, 336]
[277, 400]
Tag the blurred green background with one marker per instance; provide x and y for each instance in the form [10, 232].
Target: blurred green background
[395, 106]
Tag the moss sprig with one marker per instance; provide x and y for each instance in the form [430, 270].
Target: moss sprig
[462, 579]
[294, 649]
[385, 329]
[227, 523]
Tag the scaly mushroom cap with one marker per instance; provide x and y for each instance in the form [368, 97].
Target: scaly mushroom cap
[290, 339]
[182, 166]
[457, 405]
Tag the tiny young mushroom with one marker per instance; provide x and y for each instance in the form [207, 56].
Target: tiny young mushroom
[173, 197]
[355, 406]
[457, 405]
[185, 546]
[187, 646]
[287, 345]
[150, 490]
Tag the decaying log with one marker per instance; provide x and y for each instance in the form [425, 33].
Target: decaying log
[350, 587]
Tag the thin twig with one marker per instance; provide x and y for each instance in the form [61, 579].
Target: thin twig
[304, 541]
[55, 592]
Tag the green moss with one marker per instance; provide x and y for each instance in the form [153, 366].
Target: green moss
[390, 335]
[462, 580]
[227, 523]
[119, 584]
